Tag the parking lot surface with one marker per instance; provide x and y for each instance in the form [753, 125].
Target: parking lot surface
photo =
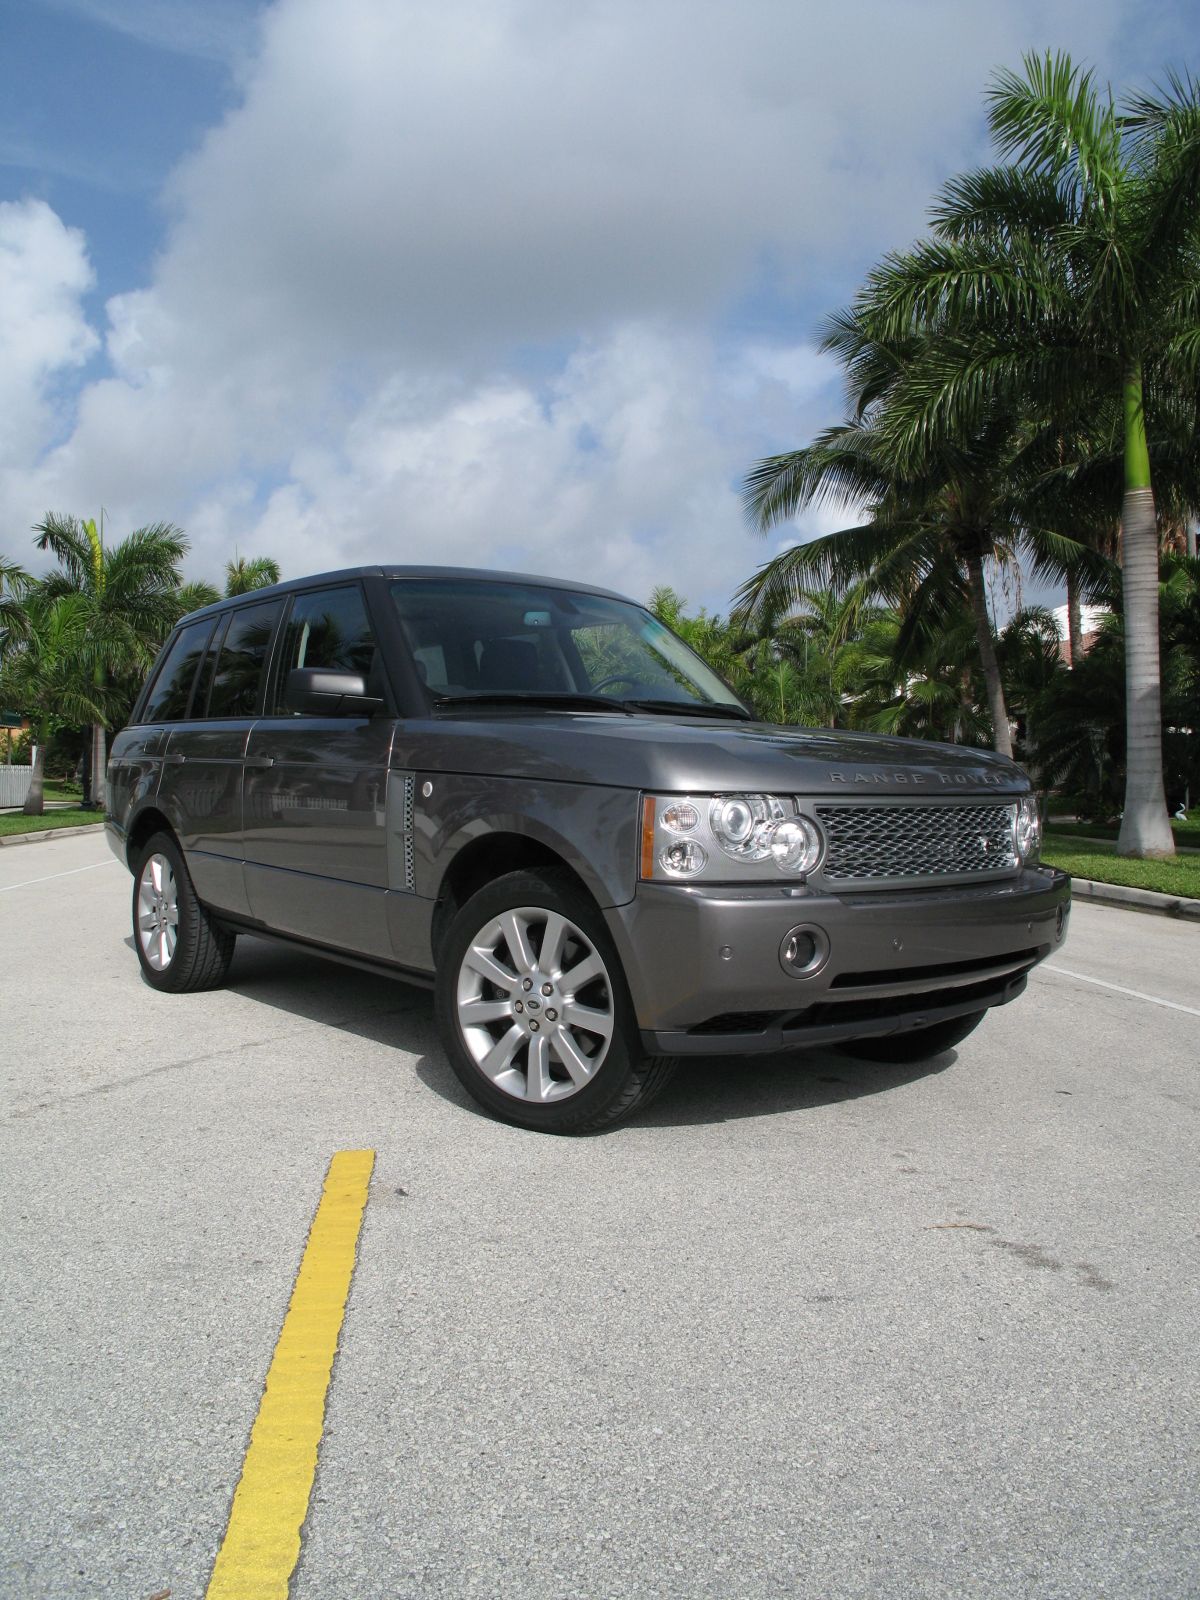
[809, 1327]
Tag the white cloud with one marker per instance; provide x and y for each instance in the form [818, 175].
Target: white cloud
[459, 281]
[44, 273]
[614, 472]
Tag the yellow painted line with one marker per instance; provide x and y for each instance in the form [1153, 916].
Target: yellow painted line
[262, 1542]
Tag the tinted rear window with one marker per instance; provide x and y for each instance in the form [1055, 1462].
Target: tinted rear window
[168, 698]
[235, 684]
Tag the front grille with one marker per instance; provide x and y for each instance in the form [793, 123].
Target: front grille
[878, 842]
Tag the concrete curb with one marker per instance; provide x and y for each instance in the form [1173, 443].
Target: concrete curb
[1116, 894]
[40, 835]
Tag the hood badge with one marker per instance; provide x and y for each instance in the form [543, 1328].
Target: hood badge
[914, 776]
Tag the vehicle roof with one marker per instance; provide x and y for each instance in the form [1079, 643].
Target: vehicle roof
[486, 574]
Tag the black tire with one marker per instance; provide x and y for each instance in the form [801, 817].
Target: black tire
[198, 954]
[919, 1044]
[579, 1038]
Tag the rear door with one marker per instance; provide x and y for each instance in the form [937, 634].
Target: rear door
[315, 793]
[201, 785]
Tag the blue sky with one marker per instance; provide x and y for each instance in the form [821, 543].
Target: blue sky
[501, 281]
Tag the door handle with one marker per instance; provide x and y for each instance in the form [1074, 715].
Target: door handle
[260, 761]
[174, 759]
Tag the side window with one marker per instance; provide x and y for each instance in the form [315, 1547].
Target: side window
[205, 676]
[168, 698]
[327, 628]
[240, 664]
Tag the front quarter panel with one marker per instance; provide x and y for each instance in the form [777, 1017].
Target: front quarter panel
[592, 827]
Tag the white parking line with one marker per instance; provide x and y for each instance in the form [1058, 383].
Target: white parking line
[1155, 1000]
[70, 872]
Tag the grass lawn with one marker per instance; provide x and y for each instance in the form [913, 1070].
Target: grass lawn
[1186, 833]
[1085, 859]
[71, 817]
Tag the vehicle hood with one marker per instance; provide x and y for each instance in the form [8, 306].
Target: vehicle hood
[695, 755]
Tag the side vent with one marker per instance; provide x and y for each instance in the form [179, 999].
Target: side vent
[401, 855]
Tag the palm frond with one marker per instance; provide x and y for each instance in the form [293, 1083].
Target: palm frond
[1055, 121]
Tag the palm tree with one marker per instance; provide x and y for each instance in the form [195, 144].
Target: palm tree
[924, 688]
[48, 676]
[194, 596]
[933, 518]
[1070, 282]
[14, 619]
[242, 576]
[129, 591]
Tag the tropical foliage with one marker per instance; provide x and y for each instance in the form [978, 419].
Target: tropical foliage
[76, 643]
[1024, 376]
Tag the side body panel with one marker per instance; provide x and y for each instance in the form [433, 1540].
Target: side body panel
[200, 792]
[315, 813]
[134, 768]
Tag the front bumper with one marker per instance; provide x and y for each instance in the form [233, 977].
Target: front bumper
[705, 975]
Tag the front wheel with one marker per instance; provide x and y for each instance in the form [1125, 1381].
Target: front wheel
[534, 1011]
[919, 1044]
[180, 947]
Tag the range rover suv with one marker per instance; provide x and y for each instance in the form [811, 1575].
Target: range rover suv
[532, 797]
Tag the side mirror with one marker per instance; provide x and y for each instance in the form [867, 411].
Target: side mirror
[324, 692]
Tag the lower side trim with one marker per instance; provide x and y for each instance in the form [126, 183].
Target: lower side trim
[312, 947]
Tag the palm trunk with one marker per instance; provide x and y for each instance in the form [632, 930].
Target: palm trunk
[99, 757]
[35, 800]
[1074, 620]
[1001, 736]
[1145, 826]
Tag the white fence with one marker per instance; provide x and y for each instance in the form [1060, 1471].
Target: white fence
[14, 784]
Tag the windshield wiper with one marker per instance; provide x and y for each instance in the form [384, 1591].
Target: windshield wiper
[692, 708]
[543, 699]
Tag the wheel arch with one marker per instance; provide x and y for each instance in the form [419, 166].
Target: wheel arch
[144, 826]
[482, 861]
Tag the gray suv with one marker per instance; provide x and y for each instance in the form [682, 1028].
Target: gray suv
[532, 797]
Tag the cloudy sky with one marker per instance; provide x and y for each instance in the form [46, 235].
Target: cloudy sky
[521, 283]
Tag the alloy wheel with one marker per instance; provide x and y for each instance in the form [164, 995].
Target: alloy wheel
[535, 1004]
[158, 912]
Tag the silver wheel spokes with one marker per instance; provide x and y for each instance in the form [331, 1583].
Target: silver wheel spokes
[158, 912]
[535, 1004]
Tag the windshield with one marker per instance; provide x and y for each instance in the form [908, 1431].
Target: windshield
[477, 639]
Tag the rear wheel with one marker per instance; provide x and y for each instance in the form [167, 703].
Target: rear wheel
[919, 1044]
[180, 947]
[534, 1011]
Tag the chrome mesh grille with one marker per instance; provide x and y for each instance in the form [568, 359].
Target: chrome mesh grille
[875, 842]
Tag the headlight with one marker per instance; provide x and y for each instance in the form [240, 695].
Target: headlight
[1027, 829]
[730, 836]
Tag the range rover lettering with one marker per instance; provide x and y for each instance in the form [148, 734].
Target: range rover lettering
[532, 797]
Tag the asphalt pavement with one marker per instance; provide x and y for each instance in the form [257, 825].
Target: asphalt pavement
[809, 1327]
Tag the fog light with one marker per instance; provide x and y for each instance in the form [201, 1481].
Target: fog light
[804, 950]
[684, 858]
